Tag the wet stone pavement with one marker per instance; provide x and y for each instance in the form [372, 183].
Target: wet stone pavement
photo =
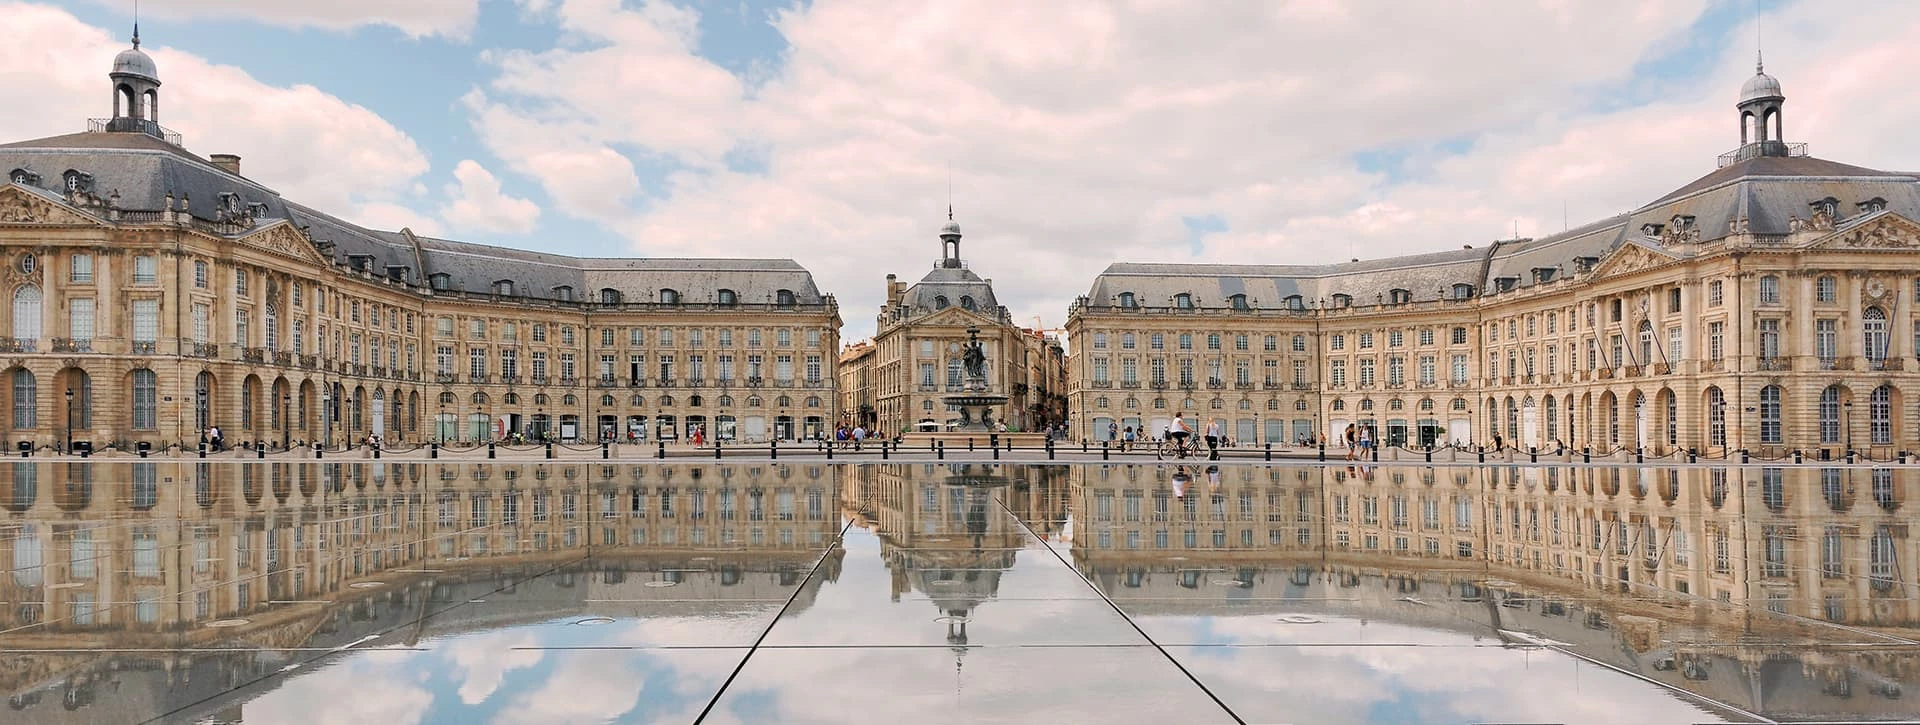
[464, 592]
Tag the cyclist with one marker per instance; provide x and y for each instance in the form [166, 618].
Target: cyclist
[1177, 433]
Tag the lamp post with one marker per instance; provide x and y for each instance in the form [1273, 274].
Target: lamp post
[68, 446]
[440, 424]
[326, 416]
[1847, 424]
[286, 421]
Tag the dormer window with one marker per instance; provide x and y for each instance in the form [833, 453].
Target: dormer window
[939, 302]
[669, 297]
[1543, 275]
[785, 298]
[1505, 284]
[1682, 222]
[1296, 302]
[1828, 206]
[563, 293]
[257, 210]
[1872, 205]
[78, 182]
[966, 303]
[24, 177]
[1238, 302]
[727, 298]
[440, 282]
[1462, 291]
[1651, 230]
[397, 272]
[1342, 300]
[1183, 301]
[609, 296]
[360, 262]
[1128, 301]
[1400, 296]
[503, 287]
[1584, 264]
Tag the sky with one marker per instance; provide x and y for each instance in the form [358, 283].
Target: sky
[1066, 135]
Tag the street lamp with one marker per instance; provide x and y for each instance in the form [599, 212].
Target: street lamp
[326, 416]
[69, 444]
[1847, 422]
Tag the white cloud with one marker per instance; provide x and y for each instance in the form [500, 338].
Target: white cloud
[476, 204]
[416, 18]
[1083, 132]
[306, 144]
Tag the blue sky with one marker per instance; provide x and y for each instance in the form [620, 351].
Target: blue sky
[1078, 134]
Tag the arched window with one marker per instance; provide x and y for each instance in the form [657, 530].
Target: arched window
[25, 399]
[1770, 431]
[1183, 301]
[26, 314]
[1342, 300]
[563, 293]
[146, 410]
[1238, 302]
[1880, 415]
[669, 297]
[695, 401]
[1716, 417]
[503, 287]
[440, 281]
[727, 297]
[1873, 328]
[1400, 296]
[1462, 291]
[940, 302]
[1127, 300]
[784, 298]
[609, 296]
[1830, 414]
[446, 398]
[966, 303]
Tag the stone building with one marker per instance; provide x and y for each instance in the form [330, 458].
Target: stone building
[1768, 305]
[915, 356]
[155, 293]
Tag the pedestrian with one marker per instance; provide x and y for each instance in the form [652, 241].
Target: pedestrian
[1126, 440]
[1180, 480]
[1351, 437]
[1215, 435]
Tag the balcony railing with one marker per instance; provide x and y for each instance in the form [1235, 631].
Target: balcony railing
[509, 379]
[540, 380]
[204, 349]
[1129, 385]
[445, 378]
[61, 344]
[569, 382]
[477, 379]
[696, 382]
[1100, 384]
[1892, 364]
[283, 358]
[145, 348]
[605, 381]
[1773, 364]
[1836, 363]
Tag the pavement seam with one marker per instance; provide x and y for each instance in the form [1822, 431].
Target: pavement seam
[755, 647]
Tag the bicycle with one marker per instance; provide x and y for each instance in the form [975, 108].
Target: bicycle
[1168, 447]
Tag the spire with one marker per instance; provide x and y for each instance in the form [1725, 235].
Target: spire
[1759, 63]
[136, 33]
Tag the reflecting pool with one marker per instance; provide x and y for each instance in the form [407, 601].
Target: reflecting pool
[361, 592]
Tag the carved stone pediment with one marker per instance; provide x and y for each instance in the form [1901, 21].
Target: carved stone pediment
[284, 240]
[1890, 231]
[18, 206]
[1629, 258]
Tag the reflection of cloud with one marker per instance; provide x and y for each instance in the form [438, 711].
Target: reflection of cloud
[371, 687]
[482, 661]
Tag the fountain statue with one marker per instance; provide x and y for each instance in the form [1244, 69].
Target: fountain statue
[975, 404]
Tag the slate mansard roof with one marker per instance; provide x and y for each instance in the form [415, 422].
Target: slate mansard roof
[141, 172]
[1764, 196]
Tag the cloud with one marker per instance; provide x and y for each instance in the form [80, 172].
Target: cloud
[305, 143]
[416, 18]
[1080, 133]
[476, 204]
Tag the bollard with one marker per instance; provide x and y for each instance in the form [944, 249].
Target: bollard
[433, 449]
[203, 451]
[376, 453]
[143, 453]
[969, 444]
[88, 453]
[549, 450]
[606, 451]
[319, 451]
[1533, 454]
[883, 451]
[1586, 454]
[1482, 453]
[1104, 455]
[1376, 453]
[1693, 455]
[1083, 445]
[1269, 451]
[490, 452]
[829, 453]
[1903, 456]
[1429, 452]
[1796, 455]
[773, 449]
[261, 452]
[940, 450]
[716, 449]
[1744, 459]
[660, 452]
[1640, 455]
[1049, 449]
[1849, 455]
[996, 451]
[1323, 451]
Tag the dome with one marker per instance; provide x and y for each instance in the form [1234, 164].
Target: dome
[951, 228]
[1760, 86]
[135, 62]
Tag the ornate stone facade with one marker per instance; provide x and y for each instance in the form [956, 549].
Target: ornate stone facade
[155, 294]
[1770, 305]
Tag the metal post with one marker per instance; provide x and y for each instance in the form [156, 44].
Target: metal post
[1049, 449]
[319, 450]
[884, 455]
[716, 449]
[376, 453]
[1744, 458]
[490, 451]
[940, 450]
[1104, 455]
[661, 452]
[1483, 454]
[549, 450]
[829, 452]
[1640, 455]
[1323, 451]
[773, 449]
[1269, 451]
[203, 450]
[1533, 454]
[996, 451]
[1586, 454]
[1796, 456]
[433, 449]
[969, 444]
[1693, 455]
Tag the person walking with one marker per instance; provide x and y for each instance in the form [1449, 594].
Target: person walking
[1113, 431]
[1352, 436]
[1215, 435]
[1126, 441]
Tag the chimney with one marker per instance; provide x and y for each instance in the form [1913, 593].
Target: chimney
[229, 163]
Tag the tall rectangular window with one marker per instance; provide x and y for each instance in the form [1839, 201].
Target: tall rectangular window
[146, 320]
[1716, 340]
[1826, 338]
[80, 319]
[82, 272]
[146, 270]
[1769, 339]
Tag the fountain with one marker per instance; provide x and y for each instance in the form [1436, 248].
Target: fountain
[975, 404]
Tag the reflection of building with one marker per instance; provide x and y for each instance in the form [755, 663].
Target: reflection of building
[161, 556]
[167, 292]
[1651, 569]
[1765, 305]
[915, 357]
